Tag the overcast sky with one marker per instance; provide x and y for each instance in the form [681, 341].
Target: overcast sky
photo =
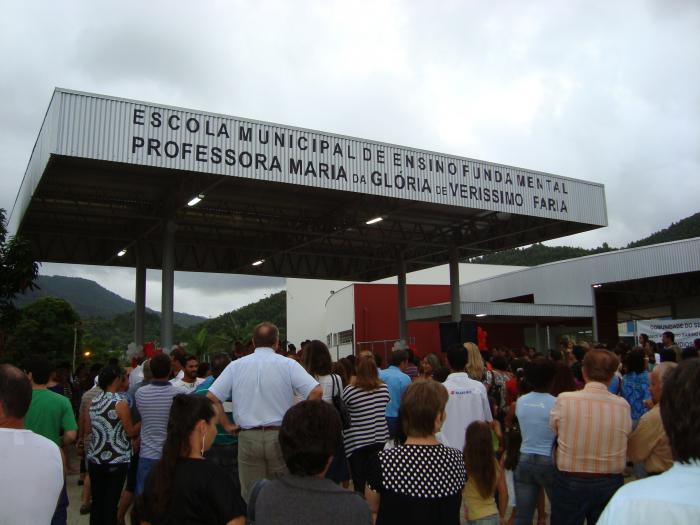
[603, 91]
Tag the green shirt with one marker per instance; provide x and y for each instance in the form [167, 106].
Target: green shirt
[222, 437]
[50, 414]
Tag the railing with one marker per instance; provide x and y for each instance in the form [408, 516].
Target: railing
[382, 347]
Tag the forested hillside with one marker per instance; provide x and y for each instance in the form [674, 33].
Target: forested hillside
[541, 254]
[89, 299]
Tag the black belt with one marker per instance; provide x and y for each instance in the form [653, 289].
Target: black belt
[264, 429]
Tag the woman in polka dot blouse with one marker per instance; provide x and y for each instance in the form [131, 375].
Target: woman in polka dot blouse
[421, 480]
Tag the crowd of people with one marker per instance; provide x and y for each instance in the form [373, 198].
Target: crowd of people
[272, 435]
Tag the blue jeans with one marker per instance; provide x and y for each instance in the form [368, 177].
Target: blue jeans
[144, 469]
[393, 424]
[533, 473]
[576, 499]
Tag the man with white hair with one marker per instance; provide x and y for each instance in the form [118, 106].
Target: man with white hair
[649, 443]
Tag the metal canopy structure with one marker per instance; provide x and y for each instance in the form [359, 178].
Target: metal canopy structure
[86, 211]
[503, 312]
[110, 176]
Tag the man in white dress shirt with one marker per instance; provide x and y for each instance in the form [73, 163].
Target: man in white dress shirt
[261, 387]
[31, 465]
[671, 497]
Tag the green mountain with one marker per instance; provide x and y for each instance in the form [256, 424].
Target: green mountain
[218, 334]
[541, 254]
[90, 299]
[238, 325]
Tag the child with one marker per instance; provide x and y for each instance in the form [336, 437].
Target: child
[484, 478]
[509, 462]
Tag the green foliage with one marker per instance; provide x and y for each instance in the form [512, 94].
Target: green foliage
[683, 229]
[238, 325]
[115, 334]
[538, 254]
[45, 327]
[18, 271]
[200, 344]
[90, 299]
[541, 254]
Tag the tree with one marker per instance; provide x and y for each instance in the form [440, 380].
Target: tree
[200, 344]
[18, 271]
[45, 327]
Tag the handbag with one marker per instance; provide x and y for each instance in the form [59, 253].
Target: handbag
[340, 405]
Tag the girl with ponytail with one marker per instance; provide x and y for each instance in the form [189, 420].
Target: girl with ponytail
[184, 487]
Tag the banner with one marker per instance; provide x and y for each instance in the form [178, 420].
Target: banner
[685, 330]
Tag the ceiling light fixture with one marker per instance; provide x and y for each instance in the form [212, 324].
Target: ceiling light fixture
[375, 220]
[597, 285]
[195, 200]
[481, 315]
[258, 262]
[121, 253]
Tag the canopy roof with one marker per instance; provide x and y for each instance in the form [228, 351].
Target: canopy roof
[108, 174]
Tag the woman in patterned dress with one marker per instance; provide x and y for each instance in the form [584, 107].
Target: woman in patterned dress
[109, 450]
[421, 480]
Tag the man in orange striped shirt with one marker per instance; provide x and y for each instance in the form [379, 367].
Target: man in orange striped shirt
[592, 428]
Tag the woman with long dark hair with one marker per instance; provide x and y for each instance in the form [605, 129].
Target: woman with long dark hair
[183, 487]
[485, 478]
[320, 366]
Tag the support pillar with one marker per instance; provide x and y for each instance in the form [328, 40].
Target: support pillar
[595, 316]
[168, 287]
[455, 304]
[605, 317]
[403, 303]
[140, 297]
[537, 337]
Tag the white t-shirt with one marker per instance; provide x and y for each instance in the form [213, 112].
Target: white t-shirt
[179, 376]
[467, 403]
[326, 383]
[184, 385]
[31, 479]
[136, 375]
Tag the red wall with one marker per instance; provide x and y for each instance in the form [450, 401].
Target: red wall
[377, 313]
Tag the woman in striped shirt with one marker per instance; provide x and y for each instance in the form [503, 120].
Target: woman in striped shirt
[366, 401]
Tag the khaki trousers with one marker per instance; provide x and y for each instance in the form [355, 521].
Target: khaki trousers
[259, 456]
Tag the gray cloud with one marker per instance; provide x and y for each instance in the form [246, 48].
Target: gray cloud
[604, 91]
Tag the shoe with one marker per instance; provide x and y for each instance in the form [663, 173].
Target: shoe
[85, 508]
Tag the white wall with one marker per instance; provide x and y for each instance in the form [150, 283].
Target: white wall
[306, 308]
[441, 274]
[309, 318]
[339, 317]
